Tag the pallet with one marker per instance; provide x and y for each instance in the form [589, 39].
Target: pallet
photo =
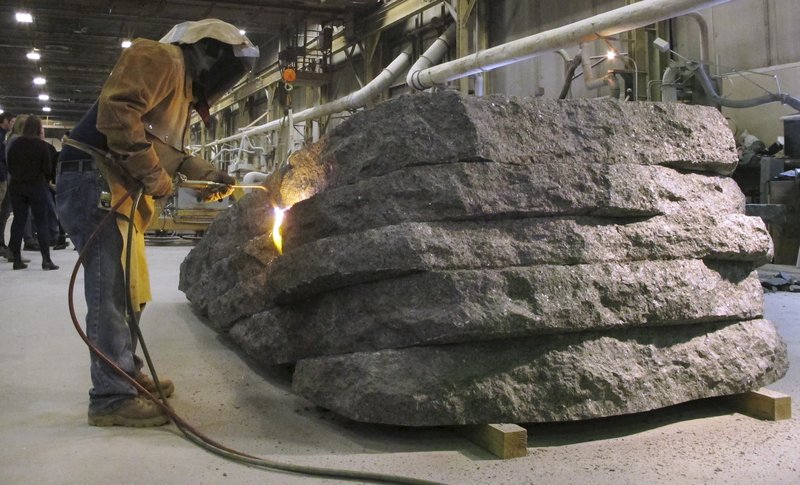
[762, 404]
[502, 440]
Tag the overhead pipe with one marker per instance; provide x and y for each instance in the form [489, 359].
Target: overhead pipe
[431, 56]
[622, 19]
[352, 101]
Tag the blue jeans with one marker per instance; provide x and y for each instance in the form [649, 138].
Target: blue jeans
[77, 195]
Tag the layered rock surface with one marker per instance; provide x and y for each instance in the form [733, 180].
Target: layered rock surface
[466, 260]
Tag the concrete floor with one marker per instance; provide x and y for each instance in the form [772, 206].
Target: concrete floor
[44, 437]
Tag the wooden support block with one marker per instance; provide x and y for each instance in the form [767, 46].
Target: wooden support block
[502, 440]
[763, 404]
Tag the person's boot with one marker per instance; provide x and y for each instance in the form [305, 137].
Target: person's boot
[18, 264]
[47, 264]
[61, 243]
[135, 412]
[148, 383]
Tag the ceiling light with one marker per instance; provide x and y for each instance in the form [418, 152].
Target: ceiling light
[39, 80]
[46, 109]
[44, 97]
[33, 55]
[24, 17]
[126, 43]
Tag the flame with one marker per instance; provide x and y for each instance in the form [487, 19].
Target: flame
[277, 239]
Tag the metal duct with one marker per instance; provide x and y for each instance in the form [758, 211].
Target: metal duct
[352, 101]
[605, 24]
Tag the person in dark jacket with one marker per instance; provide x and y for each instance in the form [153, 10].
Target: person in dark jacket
[6, 121]
[29, 165]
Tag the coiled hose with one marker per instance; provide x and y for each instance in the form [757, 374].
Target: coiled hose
[190, 432]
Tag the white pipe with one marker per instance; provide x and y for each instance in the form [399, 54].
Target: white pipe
[588, 76]
[703, 25]
[253, 178]
[431, 56]
[622, 19]
[352, 101]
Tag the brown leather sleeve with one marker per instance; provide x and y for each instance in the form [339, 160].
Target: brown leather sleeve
[142, 78]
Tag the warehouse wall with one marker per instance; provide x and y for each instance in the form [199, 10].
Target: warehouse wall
[544, 75]
[758, 35]
[761, 35]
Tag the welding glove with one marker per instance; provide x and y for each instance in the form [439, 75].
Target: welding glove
[220, 191]
[158, 183]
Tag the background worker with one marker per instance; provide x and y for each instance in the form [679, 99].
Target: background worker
[133, 138]
[29, 165]
[6, 121]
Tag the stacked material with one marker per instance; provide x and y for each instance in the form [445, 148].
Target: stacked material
[473, 260]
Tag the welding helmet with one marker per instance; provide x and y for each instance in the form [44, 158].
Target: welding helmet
[217, 54]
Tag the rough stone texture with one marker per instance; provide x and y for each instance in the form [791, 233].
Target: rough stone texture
[222, 279]
[391, 251]
[456, 260]
[480, 191]
[460, 306]
[446, 127]
[553, 378]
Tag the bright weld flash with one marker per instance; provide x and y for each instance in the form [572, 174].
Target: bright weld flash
[276, 229]
[611, 54]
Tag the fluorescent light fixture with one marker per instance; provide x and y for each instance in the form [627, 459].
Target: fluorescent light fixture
[46, 109]
[24, 17]
[126, 43]
[39, 80]
[33, 55]
[242, 31]
[44, 97]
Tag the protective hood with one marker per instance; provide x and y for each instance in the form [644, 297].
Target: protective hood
[217, 56]
[191, 32]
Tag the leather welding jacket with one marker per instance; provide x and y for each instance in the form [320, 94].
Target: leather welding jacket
[141, 119]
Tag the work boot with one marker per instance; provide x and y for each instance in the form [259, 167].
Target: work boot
[31, 246]
[5, 252]
[18, 264]
[148, 383]
[48, 264]
[22, 259]
[135, 412]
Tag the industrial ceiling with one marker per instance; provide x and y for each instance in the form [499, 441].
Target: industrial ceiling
[79, 41]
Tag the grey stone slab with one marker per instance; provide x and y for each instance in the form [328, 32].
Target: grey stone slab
[225, 275]
[484, 191]
[555, 378]
[459, 306]
[444, 127]
[391, 251]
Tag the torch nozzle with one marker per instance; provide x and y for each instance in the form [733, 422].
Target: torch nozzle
[206, 184]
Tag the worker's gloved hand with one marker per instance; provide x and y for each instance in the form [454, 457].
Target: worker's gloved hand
[158, 184]
[221, 190]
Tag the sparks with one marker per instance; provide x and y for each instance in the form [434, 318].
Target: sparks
[276, 230]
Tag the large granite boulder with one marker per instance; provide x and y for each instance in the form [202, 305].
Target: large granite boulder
[455, 260]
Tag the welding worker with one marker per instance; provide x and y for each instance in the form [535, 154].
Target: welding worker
[133, 138]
